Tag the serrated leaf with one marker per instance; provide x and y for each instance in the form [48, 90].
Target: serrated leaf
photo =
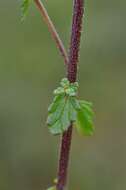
[65, 116]
[56, 128]
[84, 102]
[59, 91]
[87, 106]
[84, 123]
[55, 103]
[24, 8]
[66, 108]
[75, 103]
[56, 114]
[72, 112]
[59, 121]
[61, 114]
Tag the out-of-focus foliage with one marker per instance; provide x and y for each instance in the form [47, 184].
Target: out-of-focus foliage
[52, 188]
[31, 67]
[24, 8]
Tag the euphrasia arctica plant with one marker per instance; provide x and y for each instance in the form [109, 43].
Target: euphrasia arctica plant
[66, 110]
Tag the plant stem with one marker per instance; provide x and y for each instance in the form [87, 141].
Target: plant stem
[64, 158]
[52, 29]
[71, 61]
[72, 75]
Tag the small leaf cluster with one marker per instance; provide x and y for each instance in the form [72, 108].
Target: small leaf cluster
[24, 8]
[66, 109]
[52, 188]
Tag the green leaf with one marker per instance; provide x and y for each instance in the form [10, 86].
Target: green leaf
[61, 114]
[87, 106]
[84, 102]
[67, 88]
[52, 188]
[57, 99]
[65, 83]
[70, 91]
[65, 120]
[66, 108]
[72, 110]
[24, 8]
[59, 91]
[56, 114]
[56, 128]
[58, 121]
[84, 123]
[75, 103]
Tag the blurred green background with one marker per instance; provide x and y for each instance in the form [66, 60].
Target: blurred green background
[31, 67]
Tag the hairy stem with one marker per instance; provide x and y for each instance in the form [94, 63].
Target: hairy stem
[64, 157]
[52, 29]
[72, 75]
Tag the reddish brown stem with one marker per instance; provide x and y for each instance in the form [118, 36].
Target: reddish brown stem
[64, 157]
[72, 75]
[52, 29]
